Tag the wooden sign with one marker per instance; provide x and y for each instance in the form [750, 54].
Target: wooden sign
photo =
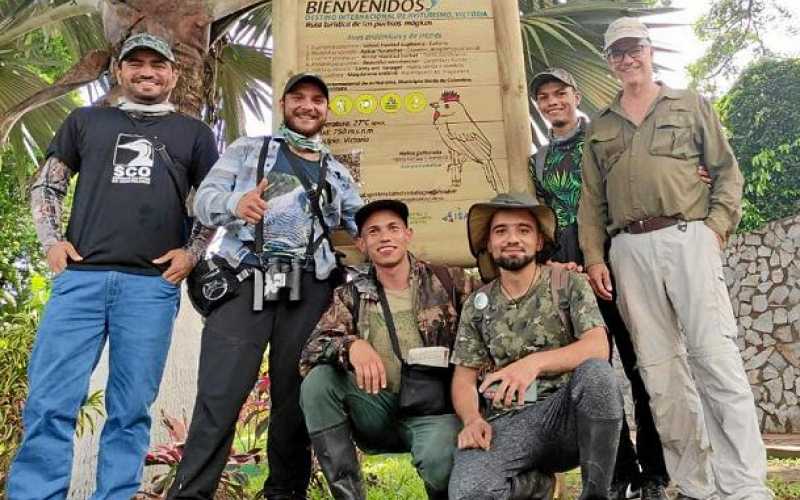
[428, 102]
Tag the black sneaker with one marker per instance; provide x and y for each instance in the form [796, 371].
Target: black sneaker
[653, 491]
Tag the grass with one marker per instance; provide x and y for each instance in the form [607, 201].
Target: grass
[392, 477]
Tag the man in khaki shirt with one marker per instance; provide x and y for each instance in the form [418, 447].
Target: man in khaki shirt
[640, 187]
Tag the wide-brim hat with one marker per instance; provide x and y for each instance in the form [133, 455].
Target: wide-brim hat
[480, 217]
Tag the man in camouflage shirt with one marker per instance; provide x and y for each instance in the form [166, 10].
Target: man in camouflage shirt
[537, 337]
[352, 376]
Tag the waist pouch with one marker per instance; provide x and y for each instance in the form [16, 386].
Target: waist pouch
[425, 390]
[213, 282]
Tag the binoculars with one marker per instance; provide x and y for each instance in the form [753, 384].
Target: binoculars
[282, 273]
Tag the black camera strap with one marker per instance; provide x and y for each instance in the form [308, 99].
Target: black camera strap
[389, 320]
[258, 273]
[262, 159]
[314, 197]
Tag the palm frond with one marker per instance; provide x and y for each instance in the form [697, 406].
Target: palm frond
[244, 74]
[33, 132]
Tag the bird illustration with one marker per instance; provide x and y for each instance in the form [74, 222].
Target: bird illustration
[465, 141]
[143, 150]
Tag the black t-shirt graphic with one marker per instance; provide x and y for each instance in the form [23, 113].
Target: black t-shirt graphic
[127, 210]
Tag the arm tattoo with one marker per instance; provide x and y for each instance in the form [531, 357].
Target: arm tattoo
[199, 239]
[47, 199]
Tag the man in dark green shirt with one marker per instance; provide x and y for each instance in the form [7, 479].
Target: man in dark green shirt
[556, 173]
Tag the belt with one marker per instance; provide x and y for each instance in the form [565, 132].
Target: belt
[651, 224]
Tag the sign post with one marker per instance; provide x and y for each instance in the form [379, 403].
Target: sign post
[428, 102]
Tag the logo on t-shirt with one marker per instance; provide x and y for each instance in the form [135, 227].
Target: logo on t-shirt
[133, 160]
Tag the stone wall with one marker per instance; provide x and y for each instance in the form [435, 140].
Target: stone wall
[763, 276]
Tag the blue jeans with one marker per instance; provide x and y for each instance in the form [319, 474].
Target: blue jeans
[136, 314]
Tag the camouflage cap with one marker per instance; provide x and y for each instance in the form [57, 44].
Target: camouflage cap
[625, 27]
[550, 75]
[146, 41]
[480, 217]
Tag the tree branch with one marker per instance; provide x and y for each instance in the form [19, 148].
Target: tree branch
[88, 69]
[60, 13]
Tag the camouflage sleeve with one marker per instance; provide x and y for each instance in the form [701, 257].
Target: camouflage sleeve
[199, 239]
[331, 339]
[48, 191]
[583, 309]
[469, 349]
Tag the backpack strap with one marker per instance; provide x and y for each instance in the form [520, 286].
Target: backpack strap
[355, 311]
[538, 161]
[559, 278]
[447, 282]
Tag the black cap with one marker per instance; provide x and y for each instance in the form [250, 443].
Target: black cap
[306, 78]
[552, 75]
[395, 206]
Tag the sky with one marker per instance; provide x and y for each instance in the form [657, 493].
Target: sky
[680, 38]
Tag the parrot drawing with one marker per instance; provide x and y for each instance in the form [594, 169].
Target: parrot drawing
[465, 141]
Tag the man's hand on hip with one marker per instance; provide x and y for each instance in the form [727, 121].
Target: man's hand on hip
[251, 206]
[58, 254]
[476, 433]
[181, 263]
[370, 373]
[600, 279]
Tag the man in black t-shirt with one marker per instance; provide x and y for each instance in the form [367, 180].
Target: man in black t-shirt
[117, 271]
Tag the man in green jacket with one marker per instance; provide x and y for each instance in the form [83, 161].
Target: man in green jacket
[352, 374]
[667, 230]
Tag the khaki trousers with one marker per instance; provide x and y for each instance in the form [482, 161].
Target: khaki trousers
[672, 296]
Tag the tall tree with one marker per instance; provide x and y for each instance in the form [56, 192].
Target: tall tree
[736, 28]
[220, 46]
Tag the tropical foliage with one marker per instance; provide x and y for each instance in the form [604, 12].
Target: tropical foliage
[762, 115]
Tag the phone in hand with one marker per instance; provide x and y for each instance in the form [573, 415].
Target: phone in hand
[531, 393]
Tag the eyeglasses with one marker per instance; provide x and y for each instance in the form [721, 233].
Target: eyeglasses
[616, 56]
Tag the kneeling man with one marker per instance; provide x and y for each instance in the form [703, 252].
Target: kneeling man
[535, 336]
[353, 387]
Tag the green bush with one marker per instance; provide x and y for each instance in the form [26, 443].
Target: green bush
[762, 115]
